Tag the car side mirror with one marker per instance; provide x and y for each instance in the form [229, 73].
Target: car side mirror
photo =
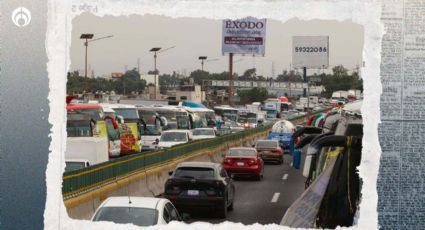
[185, 216]
[163, 121]
[120, 119]
[170, 172]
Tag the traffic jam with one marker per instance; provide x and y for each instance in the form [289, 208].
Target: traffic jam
[150, 148]
[275, 173]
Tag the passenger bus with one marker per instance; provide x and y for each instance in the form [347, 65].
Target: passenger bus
[201, 117]
[226, 113]
[132, 143]
[152, 125]
[248, 119]
[177, 118]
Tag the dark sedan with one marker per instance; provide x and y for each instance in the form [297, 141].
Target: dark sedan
[194, 186]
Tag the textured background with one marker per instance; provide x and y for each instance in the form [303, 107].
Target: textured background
[24, 129]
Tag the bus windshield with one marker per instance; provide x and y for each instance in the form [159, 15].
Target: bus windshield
[79, 128]
[153, 124]
[127, 114]
[95, 114]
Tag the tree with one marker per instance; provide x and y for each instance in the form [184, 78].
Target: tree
[198, 76]
[248, 75]
[341, 80]
[252, 95]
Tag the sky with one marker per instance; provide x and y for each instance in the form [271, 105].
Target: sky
[134, 36]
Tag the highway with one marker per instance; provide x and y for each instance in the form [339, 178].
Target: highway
[264, 201]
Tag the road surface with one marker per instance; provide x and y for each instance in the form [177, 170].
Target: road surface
[264, 201]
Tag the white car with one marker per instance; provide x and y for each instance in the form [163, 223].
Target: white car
[170, 138]
[141, 211]
[203, 133]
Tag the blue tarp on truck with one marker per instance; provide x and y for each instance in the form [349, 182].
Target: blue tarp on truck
[283, 138]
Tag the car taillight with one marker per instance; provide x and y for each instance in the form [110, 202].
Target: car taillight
[252, 162]
[228, 161]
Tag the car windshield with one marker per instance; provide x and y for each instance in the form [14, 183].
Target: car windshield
[128, 215]
[206, 132]
[130, 114]
[95, 114]
[152, 130]
[195, 172]
[174, 137]
[71, 166]
[241, 152]
[266, 144]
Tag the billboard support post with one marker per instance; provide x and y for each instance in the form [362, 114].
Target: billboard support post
[306, 92]
[230, 77]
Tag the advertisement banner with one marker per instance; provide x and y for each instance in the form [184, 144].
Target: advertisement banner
[310, 51]
[303, 212]
[244, 36]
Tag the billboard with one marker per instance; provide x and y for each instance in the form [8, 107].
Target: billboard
[310, 52]
[244, 36]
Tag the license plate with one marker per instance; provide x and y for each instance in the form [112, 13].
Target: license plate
[240, 164]
[192, 192]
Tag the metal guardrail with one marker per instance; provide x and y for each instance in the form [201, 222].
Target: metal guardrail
[78, 181]
[82, 180]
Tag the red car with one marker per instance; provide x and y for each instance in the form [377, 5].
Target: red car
[269, 150]
[243, 161]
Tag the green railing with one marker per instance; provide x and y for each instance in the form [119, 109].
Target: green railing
[82, 180]
[75, 182]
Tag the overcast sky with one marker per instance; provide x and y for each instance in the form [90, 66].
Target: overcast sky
[134, 36]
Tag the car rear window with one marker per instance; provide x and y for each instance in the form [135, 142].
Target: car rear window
[127, 215]
[241, 152]
[266, 144]
[195, 173]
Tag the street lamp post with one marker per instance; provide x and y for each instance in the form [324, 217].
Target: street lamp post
[202, 58]
[86, 44]
[156, 50]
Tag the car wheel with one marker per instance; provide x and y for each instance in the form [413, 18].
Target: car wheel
[230, 208]
[223, 210]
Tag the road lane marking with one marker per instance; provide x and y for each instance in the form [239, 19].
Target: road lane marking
[275, 197]
[285, 177]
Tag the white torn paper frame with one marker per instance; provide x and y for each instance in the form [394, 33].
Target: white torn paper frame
[61, 13]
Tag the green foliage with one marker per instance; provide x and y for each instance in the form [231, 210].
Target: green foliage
[129, 82]
[341, 80]
[252, 95]
[289, 76]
